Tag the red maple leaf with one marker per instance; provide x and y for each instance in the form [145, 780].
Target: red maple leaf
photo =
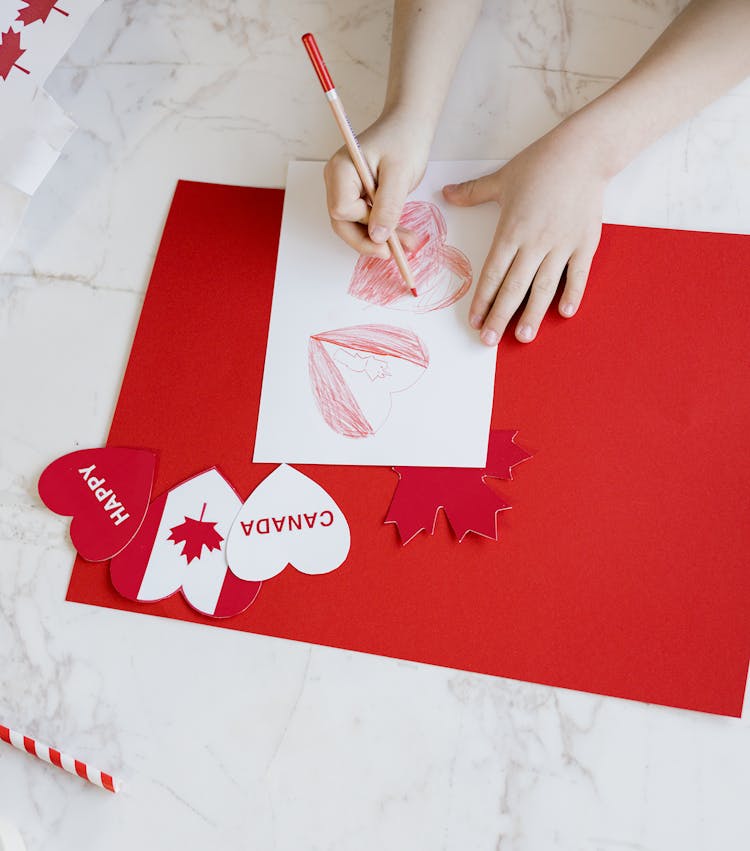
[194, 535]
[468, 503]
[37, 10]
[10, 52]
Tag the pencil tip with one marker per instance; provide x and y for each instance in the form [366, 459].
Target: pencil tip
[414, 292]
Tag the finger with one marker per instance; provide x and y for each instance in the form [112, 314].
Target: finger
[493, 272]
[543, 289]
[514, 287]
[411, 240]
[344, 191]
[473, 192]
[355, 235]
[576, 279]
[394, 184]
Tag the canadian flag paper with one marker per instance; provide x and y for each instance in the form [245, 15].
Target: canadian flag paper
[34, 36]
[181, 547]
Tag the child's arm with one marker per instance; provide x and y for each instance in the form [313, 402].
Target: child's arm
[428, 37]
[550, 195]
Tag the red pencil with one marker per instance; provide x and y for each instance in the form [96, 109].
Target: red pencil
[355, 152]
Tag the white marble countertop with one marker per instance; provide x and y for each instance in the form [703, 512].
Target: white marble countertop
[234, 741]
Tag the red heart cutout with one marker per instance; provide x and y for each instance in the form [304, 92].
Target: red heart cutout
[442, 273]
[106, 492]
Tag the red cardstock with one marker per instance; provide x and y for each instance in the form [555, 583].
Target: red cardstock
[622, 568]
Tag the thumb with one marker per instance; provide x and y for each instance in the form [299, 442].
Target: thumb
[472, 192]
[393, 187]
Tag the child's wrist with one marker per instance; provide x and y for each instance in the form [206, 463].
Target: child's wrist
[600, 132]
[414, 123]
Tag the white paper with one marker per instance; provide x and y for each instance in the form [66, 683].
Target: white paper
[287, 519]
[422, 391]
[44, 42]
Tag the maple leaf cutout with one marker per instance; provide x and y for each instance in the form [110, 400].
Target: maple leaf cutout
[194, 535]
[469, 505]
[38, 10]
[10, 52]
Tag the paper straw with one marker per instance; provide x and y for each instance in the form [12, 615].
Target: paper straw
[61, 760]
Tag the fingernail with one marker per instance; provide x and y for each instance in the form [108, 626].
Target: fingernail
[568, 309]
[475, 322]
[378, 233]
[525, 333]
[490, 337]
[450, 187]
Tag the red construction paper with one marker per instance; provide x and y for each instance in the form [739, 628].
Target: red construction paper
[469, 504]
[105, 490]
[623, 566]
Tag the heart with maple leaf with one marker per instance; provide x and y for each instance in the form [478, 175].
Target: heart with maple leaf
[105, 490]
[469, 505]
[38, 10]
[181, 548]
[10, 52]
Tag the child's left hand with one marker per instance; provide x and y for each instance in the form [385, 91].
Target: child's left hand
[550, 198]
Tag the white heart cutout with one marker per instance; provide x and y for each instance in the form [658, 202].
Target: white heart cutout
[287, 520]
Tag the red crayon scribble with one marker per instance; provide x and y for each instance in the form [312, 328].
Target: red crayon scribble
[38, 10]
[360, 349]
[10, 52]
[194, 535]
[441, 272]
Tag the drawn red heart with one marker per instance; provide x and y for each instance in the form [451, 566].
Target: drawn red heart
[106, 491]
[355, 371]
[442, 273]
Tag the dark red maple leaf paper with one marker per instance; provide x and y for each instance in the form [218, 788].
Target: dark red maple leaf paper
[10, 52]
[194, 535]
[469, 505]
[37, 10]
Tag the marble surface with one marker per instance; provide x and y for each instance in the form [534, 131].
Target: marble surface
[234, 741]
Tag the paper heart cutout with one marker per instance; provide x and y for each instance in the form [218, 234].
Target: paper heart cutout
[442, 273]
[181, 546]
[287, 519]
[105, 490]
[355, 371]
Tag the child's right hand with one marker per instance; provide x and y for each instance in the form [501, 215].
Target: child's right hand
[397, 152]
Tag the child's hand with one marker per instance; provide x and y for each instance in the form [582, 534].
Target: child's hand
[397, 153]
[550, 198]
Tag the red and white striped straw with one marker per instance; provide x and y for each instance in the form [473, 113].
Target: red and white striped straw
[61, 760]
